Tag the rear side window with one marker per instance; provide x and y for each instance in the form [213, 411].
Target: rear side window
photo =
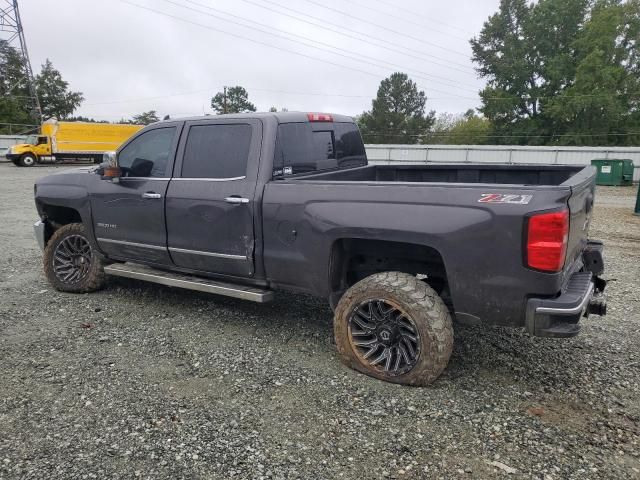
[305, 148]
[217, 151]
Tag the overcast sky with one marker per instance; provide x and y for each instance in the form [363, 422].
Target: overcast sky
[127, 58]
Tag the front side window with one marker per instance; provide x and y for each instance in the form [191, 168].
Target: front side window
[217, 151]
[148, 154]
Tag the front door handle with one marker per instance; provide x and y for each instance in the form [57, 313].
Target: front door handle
[151, 195]
[236, 200]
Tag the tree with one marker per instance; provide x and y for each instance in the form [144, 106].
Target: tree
[466, 129]
[146, 118]
[55, 98]
[397, 114]
[602, 105]
[560, 71]
[14, 91]
[80, 118]
[232, 100]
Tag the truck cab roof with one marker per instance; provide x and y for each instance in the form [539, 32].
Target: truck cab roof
[280, 117]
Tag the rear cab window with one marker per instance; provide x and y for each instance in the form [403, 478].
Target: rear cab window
[307, 147]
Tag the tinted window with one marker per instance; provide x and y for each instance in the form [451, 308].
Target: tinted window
[349, 147]
[217, 151]
[305, 147]
[148, 154]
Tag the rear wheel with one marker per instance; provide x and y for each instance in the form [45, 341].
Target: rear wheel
[28, 160]
[394, 327]
[71, 264]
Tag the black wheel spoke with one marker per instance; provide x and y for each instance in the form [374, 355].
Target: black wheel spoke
[398, 359]
[380, 357]
[384, 337]
[363, 321]
[365, 343]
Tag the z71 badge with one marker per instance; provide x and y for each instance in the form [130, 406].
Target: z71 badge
[500, 198]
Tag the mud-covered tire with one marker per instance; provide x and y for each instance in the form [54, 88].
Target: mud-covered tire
[415, 300]
[92, 277]
[27, 160]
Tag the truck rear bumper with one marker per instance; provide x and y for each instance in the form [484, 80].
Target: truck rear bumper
[559, 317]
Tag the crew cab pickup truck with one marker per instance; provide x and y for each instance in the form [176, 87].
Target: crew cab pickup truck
[244, 205]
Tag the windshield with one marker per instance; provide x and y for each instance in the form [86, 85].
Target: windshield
[31, 140]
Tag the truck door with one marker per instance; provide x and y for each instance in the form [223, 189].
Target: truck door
[129, 216]
[210, 200]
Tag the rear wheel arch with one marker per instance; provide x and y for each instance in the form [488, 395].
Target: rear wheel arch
[353, 259]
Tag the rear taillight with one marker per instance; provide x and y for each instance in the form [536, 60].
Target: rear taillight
[319, 117]
[547, 237]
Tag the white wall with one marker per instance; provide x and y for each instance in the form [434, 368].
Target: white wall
[423, 154]
[6, 141]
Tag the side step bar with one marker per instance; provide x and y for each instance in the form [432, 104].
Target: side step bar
[142, 272]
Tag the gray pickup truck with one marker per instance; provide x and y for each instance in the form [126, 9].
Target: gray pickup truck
[243, 205]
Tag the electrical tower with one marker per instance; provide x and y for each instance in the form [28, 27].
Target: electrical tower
[12, 32]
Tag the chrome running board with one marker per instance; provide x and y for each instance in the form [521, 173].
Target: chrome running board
[189, 282]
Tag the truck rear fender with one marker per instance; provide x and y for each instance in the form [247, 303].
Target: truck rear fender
[353, 259]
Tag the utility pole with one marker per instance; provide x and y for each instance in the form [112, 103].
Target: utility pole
[224, 108]
[12, 33]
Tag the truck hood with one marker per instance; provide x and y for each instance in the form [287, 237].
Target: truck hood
[70, 176]
[20, 147]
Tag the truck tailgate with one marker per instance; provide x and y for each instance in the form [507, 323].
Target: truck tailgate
[580, 204]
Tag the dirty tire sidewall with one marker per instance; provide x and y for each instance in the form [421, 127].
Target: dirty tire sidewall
[427, 310]
[94, 279]
[27, 160]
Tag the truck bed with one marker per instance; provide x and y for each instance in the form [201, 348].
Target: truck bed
[525, 175]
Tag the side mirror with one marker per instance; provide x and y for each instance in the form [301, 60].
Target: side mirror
[109, 169]
[110, 158]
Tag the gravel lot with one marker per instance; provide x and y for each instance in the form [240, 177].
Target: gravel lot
[141, 381]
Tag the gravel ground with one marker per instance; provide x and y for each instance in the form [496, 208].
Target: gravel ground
[141, 381]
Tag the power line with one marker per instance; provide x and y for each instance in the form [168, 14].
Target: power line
[412, 12]
[208, 27]
[193, 92]
[383, 27]
[368, 39]
[404, 19]
[357, 58]
[315, 94]
[487, 135]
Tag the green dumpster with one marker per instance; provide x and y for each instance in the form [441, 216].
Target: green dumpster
[614, 171]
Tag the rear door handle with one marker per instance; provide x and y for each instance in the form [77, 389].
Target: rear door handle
[151, 195]
[236, 200]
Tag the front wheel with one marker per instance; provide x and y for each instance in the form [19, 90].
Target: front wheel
[70, 262]
[28, 160]
[394, 327]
